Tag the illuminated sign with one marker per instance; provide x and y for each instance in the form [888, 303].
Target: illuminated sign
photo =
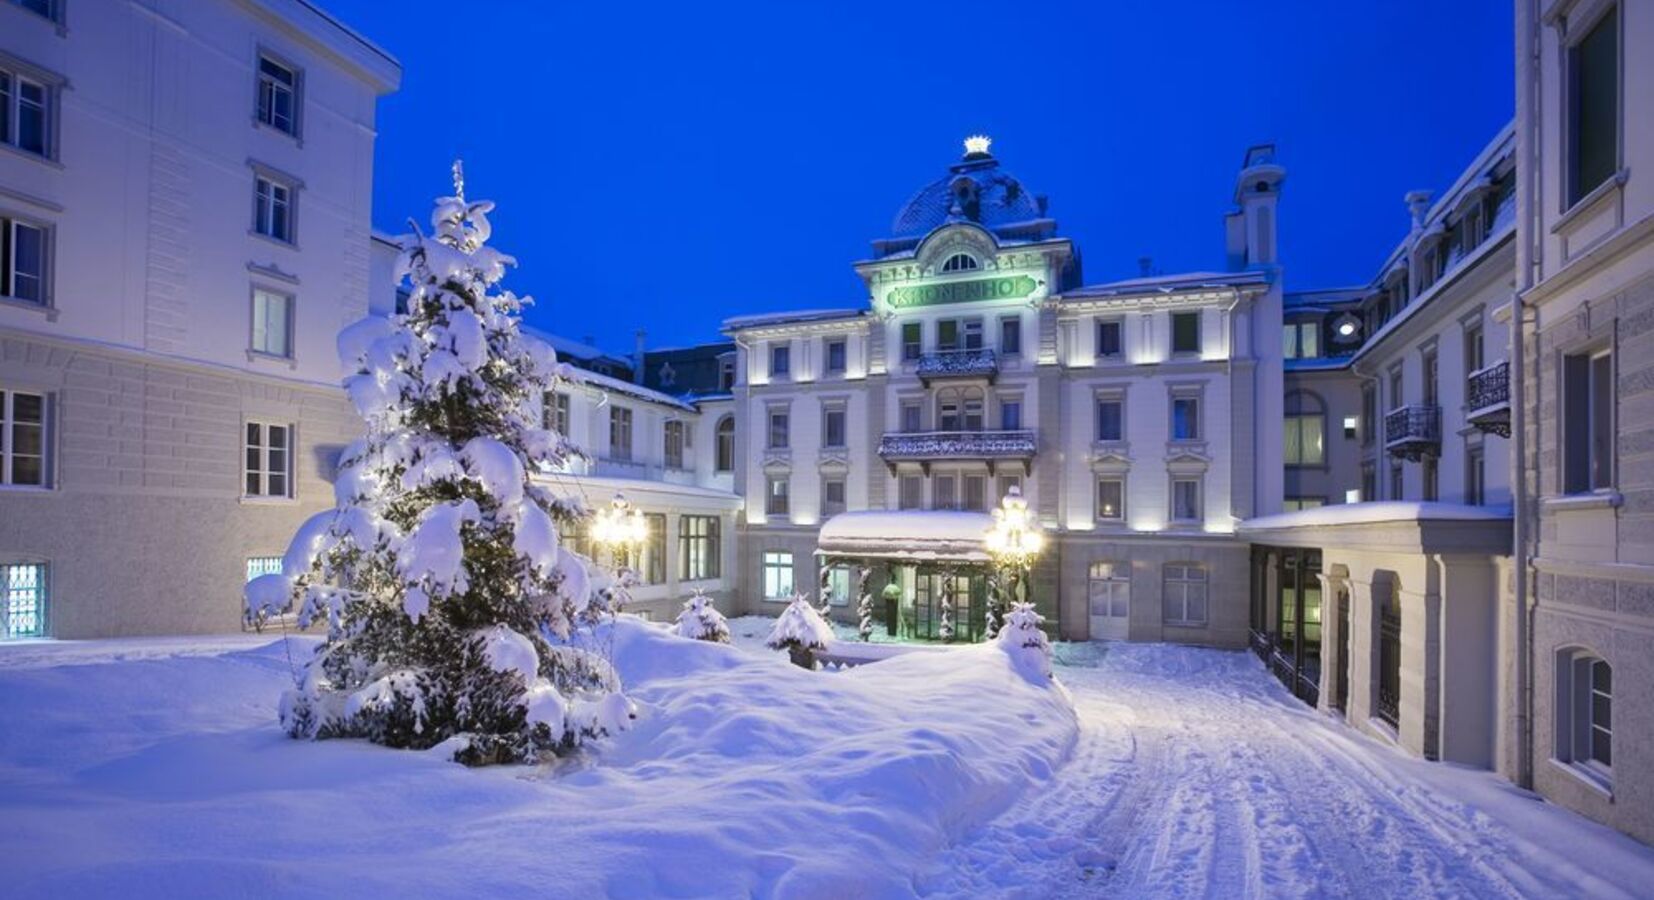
[1010, 287]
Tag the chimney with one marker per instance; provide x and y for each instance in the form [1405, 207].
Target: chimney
[1145, 266]
[637, 357]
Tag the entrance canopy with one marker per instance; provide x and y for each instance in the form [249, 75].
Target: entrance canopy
[929, 535]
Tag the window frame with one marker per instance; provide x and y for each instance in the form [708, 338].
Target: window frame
[699, 547]
[1587, 437]
[829, 411]
[290, 304]
[16, 72]
[830, 507]
[10, 225]
[673, 442]
[40, 586]
[295, 90]
[1116, 327]
[1119, 485]
[1186, 316]
[555, 412]
[1199, 490]
[1115, 399]
[778, 428]
[778, 563]
[842, 346]
[1185, 583]
[263, 175]
[777, 495]
[621, 425]
[1573, 192]
[266, 449]
[1010, 336]
[8, 439]
[1197, 430]
[723, 436]
[781, 360]
[912, 337]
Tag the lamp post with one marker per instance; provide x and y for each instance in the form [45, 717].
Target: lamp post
[1013, 543]
[618, 528]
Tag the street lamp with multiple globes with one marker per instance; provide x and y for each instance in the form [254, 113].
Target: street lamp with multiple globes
[619, 528]
[1013, 543]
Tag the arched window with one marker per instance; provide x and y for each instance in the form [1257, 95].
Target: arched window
[726, 444]
[960, 262]
[1584, 719]
[960, 409]
[1304, 441]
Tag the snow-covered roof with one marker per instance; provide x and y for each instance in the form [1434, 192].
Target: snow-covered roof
[1376, 512]
[918, 534]
[1167, 284]
[759, 320]
[627, 388]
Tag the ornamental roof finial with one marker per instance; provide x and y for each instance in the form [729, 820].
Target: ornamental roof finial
[977, 145]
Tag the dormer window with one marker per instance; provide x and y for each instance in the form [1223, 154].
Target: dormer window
[960, 262]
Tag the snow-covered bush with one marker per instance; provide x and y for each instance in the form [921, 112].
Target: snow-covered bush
[1026, 643]
[449, 599]
[701, 620]
[799, 630]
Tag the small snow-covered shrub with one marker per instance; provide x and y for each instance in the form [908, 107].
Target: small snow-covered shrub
[701, 620]
[1026, 643]
[799, 630]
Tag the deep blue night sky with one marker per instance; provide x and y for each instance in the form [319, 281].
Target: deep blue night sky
[666, 166]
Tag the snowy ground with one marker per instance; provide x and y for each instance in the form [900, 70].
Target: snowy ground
[154, 768]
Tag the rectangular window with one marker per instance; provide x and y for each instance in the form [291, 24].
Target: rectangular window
[1304, 442]
[1301, 340]
[838, 585]
[832, 427]
[1473, 351]
[781, 360]
[976, 492]
[912, 416]
[47, 8]
[1369, 481]
[911, 492]
[653, 569]
[1593, 108]
[620, 434]
[945, 495]
[273, 209]
[1395, 389]
[973, 334]
[1109, 344]
[780, 431]
[1396, 485]
[25, 598]
[912, 341]
[1587, 422]
[1430, 469]
[278, 89]
[1369, 414]
[1431, 367]
[725, 439]
[836, 355]
[698, 548]
[1186, 332]
[947, 334]
[674, 444]
[1010, 336]
[974, 416]
[726, 374]
[1010, 415]
[269, 460]
[1111, 418]
[832, 496]
[1475, 475]
[1185, 499]
[557, 412]
[778, 575]
[23, 439]
[1294, 504]
[1184, 594]
[272, 323]
[1186, 419]
[1111, 499]
[22, 261]
[25, 105]
[775, 496]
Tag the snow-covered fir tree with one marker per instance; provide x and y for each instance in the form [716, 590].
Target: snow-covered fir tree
[701, 620]
[449, 601]
[799, 630]
[944, 629]
[1026, 642]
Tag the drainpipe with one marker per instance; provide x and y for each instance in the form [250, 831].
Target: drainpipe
[1528, 256]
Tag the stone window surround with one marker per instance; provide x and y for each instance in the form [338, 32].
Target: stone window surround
[1184, 390]
[261, 53]
[1112, 393]
[55, 85]
[291, 360]
[47, 306]
[836, 403]
[292, 494]
[295, 187]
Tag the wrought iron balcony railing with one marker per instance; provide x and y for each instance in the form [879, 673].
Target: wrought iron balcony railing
[1413, 431]
[975, 363]
[1487, 399]
[926, 446]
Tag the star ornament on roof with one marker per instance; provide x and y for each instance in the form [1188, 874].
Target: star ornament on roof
[978, 144]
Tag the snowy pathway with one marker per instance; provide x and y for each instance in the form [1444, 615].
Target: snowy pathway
[1197, 776]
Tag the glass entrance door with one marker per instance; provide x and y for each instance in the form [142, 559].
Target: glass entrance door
[1109, 595]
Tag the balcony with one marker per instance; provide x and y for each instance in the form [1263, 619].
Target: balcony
[945, 364]
[1414, 432]
[925, 447]
[1487, 399]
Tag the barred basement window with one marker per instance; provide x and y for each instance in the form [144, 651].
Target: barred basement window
[778, 575]
[25, 598]
[1183, 598]
[263, 565]
[269, 460]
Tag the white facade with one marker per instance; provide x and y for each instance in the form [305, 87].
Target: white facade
[190, 197]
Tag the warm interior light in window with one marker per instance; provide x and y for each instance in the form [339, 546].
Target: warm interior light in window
[1353, 495]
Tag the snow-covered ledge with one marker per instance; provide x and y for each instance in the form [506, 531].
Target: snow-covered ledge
[1392, 524]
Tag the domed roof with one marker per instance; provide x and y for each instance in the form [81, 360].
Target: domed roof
[975, 190]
